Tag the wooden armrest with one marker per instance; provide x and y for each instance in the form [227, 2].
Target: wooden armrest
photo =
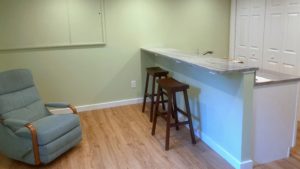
[73, 108]
[62, 105]
[35, 144]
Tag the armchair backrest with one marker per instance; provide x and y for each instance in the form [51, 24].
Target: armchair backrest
[19, 98]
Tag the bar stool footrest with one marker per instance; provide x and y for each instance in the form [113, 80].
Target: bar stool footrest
[179, 124]
[164, 101]
[182, 112]
[150, 95]
[162, 113]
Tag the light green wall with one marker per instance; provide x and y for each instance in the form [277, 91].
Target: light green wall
[86, 75]
[202, 24]
[2, 65]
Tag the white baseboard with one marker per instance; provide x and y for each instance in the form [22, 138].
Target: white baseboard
[109, 104]
[97, 106]
[246, 164]
[223, 153]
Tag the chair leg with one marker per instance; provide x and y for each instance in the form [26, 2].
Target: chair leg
[152, 98]
[188, 111]
[155, 111]
[175, 111]
[162, 98]
[35, 145]
[169, 113]
[162, 95]
[146, 92]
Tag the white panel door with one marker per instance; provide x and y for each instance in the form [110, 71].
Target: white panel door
[291, 38]
[282, 36]
[242, 30]
[249, 31]
[256, 32]
[274, 34]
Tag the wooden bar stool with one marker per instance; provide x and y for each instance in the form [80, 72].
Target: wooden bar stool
[172, 86]
[156, 73]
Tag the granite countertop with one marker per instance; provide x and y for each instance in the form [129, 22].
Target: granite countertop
[210, 62]
[274, 77]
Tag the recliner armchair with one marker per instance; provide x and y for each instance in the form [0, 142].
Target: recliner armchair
[29, 132]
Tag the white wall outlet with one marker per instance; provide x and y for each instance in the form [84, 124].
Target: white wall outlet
[133, 84]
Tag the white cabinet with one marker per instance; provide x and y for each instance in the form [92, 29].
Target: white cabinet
[249, 31]
[267, 34]
[274, 112]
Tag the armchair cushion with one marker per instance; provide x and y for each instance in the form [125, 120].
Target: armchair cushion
[15, 80]
[15, 147]
[14, 124]
[51, 127]
[57, 105]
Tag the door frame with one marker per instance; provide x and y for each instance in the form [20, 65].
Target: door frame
[232, 29]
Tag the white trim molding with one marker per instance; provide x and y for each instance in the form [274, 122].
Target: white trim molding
[232, 29]
[248, 164]
[97, 106]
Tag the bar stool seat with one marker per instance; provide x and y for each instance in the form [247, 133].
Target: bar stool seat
[173, 86]
[156, 73]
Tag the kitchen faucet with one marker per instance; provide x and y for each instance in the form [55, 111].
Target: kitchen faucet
[208, 52]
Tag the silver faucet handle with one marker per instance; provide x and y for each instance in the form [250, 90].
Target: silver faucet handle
[208, 52]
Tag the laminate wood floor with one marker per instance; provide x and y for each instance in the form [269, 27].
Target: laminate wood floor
[119, 138]
[296, 149]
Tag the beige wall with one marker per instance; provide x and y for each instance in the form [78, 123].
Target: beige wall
[86, 75]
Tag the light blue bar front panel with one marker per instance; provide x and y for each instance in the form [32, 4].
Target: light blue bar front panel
[221, 106]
